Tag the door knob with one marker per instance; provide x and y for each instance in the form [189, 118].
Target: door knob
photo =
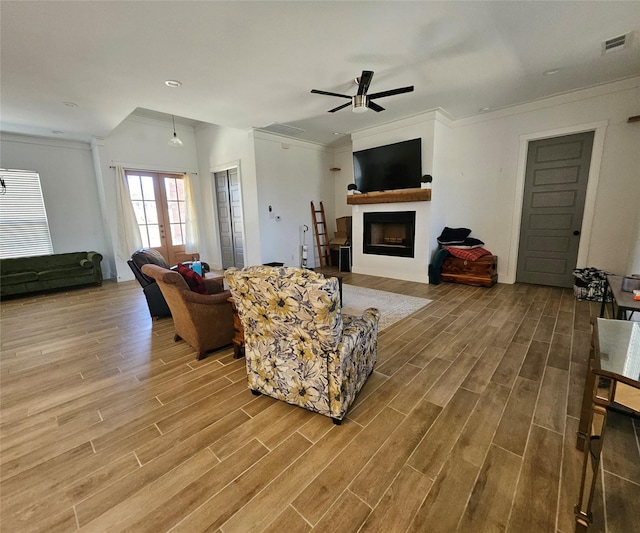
[576, 232]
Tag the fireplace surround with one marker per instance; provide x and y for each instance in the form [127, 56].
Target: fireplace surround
[396, 267]
[389, 233]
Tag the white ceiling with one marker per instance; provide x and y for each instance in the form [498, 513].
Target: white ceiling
[251, 64]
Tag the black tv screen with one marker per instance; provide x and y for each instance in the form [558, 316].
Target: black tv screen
[385, 168]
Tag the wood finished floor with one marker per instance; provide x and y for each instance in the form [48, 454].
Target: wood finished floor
[467, 424]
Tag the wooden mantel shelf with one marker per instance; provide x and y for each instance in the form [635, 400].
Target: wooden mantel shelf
[389, 197]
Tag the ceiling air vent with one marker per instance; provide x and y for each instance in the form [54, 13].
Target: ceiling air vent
[283, 129]
[616, 43]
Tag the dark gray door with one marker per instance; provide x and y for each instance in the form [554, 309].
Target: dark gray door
[554, 192]
[229, 201]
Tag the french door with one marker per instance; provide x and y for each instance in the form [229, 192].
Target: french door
[159, 201]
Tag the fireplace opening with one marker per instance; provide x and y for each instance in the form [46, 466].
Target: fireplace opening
[389, 233]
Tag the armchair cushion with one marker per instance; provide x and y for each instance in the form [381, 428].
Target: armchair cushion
[299, 348]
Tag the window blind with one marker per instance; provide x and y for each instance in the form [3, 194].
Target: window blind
[24, 228]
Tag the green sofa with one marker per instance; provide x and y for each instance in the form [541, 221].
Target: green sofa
[22, 275]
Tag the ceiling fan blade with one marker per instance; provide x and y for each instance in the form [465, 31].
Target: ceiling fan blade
[365, 81]
[392, 92]
[316, 91]
[374, 106]
[339, 107]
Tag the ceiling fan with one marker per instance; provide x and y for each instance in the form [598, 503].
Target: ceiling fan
[362, 101]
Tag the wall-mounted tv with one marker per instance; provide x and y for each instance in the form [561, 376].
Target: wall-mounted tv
[385, 168]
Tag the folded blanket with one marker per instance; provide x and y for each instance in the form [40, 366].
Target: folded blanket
[471, 254]
[435, 268]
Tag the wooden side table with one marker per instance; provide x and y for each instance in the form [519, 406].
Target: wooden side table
[238, 337]
[614, 358]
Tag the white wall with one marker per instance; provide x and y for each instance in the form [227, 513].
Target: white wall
[485, 180]
[343, 159]
[478, 170]
[291, 174]
[142, 144]
[220, 148]
[68, 187]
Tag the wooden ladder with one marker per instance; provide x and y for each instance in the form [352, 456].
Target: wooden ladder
[322, 235]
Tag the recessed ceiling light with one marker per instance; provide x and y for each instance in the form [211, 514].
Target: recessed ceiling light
[484, 109]
[57, 132]
[551, 71]
[70, 104]
[173, 83]
[337, 133]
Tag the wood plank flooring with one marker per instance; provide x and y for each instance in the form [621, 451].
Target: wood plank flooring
[467, 424]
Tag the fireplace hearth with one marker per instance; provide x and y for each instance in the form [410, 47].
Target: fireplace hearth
[389, 233]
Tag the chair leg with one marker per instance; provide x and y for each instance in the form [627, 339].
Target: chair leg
[201, 355]
[255, 392]
[337, 421]
[177, 338]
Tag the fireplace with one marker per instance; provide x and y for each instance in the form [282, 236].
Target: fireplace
[389, 233]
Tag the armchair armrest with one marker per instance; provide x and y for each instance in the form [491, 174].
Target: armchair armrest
[214, 285]
[356, 328]
[207, 299]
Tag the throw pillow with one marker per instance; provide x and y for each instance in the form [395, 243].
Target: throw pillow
[453, 235]
[467, 254]
[193, 279]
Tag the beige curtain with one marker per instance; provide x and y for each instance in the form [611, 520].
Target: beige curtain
[192, 240]
[129, 239]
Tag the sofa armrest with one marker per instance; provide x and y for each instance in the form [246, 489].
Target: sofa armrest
[94, 257]
[92, 261]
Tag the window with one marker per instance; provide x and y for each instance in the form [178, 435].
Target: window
[24, 228]
[159, 203]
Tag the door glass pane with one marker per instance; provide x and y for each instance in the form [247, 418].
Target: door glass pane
[151, 212]
[177, 234]
[174, 212]
[138, 208]
[180, 190]
[154, 236]
[148, 191]
[135, 190]
[145, 237]
[170, 187]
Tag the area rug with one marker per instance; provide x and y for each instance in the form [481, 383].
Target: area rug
[393, 307]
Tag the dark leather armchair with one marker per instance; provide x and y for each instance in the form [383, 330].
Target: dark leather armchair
[157, 304]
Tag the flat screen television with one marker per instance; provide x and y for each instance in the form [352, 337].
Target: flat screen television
[385, 168]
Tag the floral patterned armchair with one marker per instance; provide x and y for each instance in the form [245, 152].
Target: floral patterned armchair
[299, 347]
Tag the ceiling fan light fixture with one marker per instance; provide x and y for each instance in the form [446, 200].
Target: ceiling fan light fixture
[359, 103]
[175, 141]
